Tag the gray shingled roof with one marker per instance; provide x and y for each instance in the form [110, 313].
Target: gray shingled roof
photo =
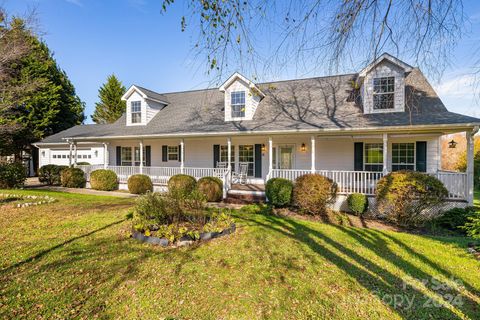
[152, 94]
[324, 103]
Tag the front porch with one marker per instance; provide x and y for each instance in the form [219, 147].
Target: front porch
[354, 162]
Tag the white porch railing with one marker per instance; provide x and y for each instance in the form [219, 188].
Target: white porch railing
[365, 181]
[455, 182]
[161, 175]
[347, 181]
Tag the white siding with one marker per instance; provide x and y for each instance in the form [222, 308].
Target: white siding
[251, 100]
[384, 69]
[93, 154]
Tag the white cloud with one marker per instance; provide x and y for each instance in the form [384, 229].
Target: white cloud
[460, 85]
[75, 2]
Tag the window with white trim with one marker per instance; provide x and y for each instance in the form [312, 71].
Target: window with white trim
[373, 157]
[137, 156]
[136, 111]
[403, 156]
[384, 93]
[246, 154]
[224, 155]
[126, 156]
[172, 153]
[237, 104]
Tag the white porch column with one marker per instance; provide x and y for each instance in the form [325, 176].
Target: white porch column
[470, 156]
[182, 155]
[141, 156]
[105, 155]
[75, 156]
[385, 153]
[270, 155]
[70, 154]
[229, 154]
[312, 147]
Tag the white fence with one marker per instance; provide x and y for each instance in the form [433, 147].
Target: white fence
[347, 181]
[455, 182]
[365, 181]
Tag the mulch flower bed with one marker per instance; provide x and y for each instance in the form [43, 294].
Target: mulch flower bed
[183, 241]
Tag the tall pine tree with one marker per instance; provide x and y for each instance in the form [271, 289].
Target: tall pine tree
[47, 102]
[111, 106]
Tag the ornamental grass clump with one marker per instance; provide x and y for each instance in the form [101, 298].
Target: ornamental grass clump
[313, 192]
[404, 197]
[139, 184]
[104, 180]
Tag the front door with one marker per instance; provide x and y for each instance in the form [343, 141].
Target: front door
[285, 155]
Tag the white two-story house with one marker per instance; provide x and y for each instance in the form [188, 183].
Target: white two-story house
[353, 128]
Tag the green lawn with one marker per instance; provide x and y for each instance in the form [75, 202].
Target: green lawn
[74, 259]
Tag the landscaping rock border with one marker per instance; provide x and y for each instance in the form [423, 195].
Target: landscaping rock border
[185, 240]
[41, 199]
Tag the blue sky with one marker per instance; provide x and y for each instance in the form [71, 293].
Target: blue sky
[131, 38]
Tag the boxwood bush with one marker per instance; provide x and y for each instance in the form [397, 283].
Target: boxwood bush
[279, 192]
[182, 183]
[211, 188]
[12, 175]
[357, 203]
[72, 178]
[402, 196]
[50, 174]
[139, 184]
[105, 180]
[312, 193]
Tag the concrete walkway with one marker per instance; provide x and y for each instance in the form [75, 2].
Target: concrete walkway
[33, 183]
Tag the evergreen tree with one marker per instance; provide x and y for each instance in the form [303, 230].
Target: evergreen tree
[47, 102]
[111, 106]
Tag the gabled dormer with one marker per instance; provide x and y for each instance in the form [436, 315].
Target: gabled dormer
[383, 85]
[142, 105]
[242, 97]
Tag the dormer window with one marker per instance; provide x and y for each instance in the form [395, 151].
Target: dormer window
[238, 104]
[384, 93]
[136, 110]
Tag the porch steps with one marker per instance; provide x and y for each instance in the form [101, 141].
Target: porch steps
[245, 194]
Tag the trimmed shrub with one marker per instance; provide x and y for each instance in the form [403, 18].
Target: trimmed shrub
[312, 193]
[182, 183]
[139, 184]
[50, 174]
[279, 192]
[402, 196]
[357, 203]
[105, 180]
[82, 163]
[12, 175]
[453, 219]
[211, 188]
[72, 178]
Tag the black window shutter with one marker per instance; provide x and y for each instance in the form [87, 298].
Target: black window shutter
[119, 156]
[216, 154]
[148, 156]
[164, 153]
[179, 153]
[258, 161]
[358, 156]
[421, 156]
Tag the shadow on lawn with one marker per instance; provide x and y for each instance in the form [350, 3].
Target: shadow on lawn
[372, 276]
